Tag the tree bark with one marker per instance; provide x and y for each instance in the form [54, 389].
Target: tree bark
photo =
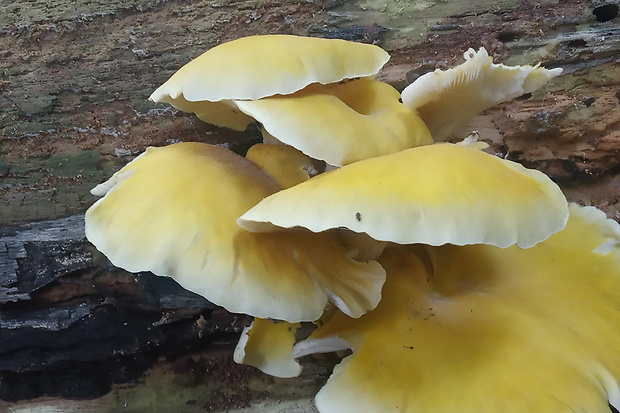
[72, 324]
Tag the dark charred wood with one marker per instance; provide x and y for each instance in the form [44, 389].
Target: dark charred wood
[71, 324]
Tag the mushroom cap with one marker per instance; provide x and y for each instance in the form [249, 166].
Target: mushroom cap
[481, 329]
[448, 99]
[224, 113]
[284, 163]
[258, 66]
[341, 123]
[173, 211]
[267, 345]
[435, 194]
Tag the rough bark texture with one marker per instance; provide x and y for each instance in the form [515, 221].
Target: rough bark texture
[72, 324]
[74, 82]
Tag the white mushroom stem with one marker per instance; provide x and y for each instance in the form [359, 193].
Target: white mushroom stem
[320, 345]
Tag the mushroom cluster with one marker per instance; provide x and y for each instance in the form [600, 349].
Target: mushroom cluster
[460, 281]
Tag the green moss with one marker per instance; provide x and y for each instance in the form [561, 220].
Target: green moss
[74, 165]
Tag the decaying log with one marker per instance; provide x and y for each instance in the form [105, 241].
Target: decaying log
[71, 324]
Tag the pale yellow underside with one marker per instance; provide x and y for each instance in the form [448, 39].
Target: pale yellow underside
[341, 123]
[173, 211]
[481, 329]
[448, 99]
[267, 345]
[257, 66]
[284, 163]
[435, 194]
[223, 113]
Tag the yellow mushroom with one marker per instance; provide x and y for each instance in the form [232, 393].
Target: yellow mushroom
[481, 329]
[436, 194]
[447, 100]
[284, 163]
[254, 67]
[268, 345]
[222, 113]
[173, 211]
[290, 167]
[341, 123]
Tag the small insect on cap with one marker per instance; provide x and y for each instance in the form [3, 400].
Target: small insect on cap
[435, 194]
[498, 330]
